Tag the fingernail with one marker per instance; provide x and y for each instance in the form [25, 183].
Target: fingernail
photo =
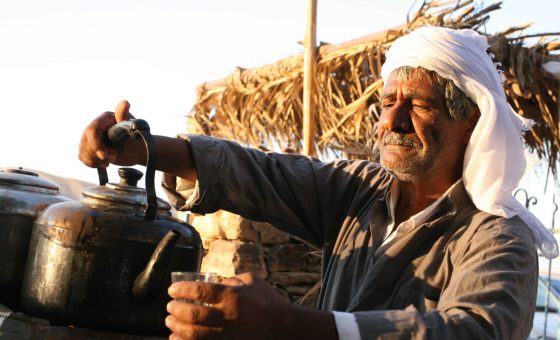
[168, 321]
[172, 290]
[100, 155]
[168, 306]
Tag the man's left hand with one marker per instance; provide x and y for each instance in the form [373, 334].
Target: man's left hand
[244, 306]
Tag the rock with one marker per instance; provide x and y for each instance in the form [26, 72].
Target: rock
[298, 289]
[269, 234]
[235, 227]
[207, 227]
[313, 261]
[286, 257]
[229, 258]
[293, 278]
[316, 268]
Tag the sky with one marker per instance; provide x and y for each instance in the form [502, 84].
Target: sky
[63, 62]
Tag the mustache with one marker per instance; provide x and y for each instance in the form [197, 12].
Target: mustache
[393, 138]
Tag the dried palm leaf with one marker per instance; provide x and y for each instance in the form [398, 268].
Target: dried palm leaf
[263, 106]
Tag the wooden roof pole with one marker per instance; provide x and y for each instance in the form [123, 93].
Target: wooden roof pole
[309, 62]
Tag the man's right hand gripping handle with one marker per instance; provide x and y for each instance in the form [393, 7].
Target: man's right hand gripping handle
[174, 155]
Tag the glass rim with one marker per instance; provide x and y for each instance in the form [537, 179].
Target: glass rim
[197, 273]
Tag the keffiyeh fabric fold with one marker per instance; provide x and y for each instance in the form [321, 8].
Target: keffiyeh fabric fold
[495, 157]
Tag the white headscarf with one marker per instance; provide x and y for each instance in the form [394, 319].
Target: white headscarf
[495, 156]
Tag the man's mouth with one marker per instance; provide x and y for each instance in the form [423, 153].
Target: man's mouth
[393, 138]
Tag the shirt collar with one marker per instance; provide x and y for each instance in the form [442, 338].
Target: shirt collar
[421, 216]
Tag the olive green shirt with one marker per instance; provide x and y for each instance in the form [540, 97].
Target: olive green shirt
[462, 274]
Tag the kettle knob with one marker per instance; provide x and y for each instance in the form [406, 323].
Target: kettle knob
[130, 176]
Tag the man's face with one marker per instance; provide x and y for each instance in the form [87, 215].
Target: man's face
[418, 140]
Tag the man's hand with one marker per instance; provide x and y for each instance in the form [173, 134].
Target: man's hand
[242, 307]
[174, 156]
[94, 153]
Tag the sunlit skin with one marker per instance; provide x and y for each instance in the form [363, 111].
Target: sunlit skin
[428, 146]
[173, 156]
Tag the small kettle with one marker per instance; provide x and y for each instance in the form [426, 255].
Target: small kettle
[105, 262]
[23, 195]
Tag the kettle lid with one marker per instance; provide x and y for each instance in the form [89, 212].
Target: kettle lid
[126, 191]
[19, 176]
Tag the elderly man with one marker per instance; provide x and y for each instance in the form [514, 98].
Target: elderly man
[428, 244]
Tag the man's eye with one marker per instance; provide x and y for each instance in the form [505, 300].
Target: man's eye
[386, 105]
[420, 107]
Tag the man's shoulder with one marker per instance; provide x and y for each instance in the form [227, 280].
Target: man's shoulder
[483, 222]
[485, 228]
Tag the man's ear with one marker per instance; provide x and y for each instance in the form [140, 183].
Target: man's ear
[472, 121]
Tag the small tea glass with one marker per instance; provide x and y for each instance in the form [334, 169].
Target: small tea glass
[196, 277]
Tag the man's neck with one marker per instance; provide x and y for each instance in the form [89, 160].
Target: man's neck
[415, 197]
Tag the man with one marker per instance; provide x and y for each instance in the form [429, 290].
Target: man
[429, 244]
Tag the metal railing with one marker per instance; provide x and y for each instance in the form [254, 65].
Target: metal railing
[546, 333]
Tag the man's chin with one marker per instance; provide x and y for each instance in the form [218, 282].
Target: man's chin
[401, 173]
[402, 176]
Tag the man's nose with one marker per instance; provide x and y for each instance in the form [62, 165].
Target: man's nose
[395, 119]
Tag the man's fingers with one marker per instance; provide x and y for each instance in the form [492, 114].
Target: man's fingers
[92, 151]
[233, 281]
[195, 314]
[122, 112]
[198, 291]
[95, 137]
[193, 332]
[175, 337]
[92, 160]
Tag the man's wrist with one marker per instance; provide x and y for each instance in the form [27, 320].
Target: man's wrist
[300, 322]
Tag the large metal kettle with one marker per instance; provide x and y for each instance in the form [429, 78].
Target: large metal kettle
[105, 262]
[23, 195]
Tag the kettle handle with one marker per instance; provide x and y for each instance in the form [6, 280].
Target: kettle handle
[135, 129]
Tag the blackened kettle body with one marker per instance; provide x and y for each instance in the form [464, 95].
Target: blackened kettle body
[99, 263]
[23, 195]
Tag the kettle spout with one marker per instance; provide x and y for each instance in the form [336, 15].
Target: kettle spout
[148, 282]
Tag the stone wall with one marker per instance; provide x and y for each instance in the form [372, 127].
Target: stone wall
[234, 245]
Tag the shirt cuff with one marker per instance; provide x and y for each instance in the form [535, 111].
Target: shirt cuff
[182, 194]
[346, 326]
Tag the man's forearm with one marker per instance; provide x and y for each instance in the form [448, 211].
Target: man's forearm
[175, 157]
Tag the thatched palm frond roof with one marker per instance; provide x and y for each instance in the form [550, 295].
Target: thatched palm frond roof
[263, 106]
